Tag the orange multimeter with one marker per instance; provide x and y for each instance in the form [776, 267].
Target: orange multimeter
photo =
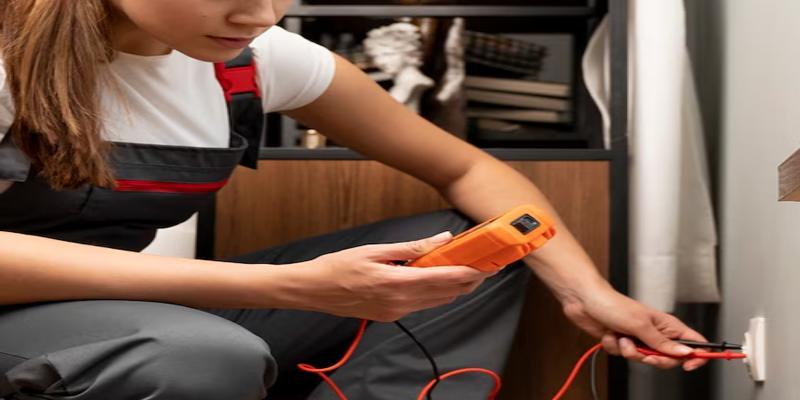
[495, 243]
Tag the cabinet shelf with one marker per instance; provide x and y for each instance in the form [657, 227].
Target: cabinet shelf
[302, 10]
[562, 27]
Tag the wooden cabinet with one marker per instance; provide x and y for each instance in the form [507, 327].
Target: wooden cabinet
[290, 199]
[789, 172]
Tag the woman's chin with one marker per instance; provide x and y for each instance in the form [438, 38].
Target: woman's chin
[212, 55]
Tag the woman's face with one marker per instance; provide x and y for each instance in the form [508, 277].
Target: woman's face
[209, 30]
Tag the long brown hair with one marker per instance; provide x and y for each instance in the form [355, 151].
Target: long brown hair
[54, 52]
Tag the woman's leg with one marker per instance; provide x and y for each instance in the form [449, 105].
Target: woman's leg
[87, 350]
[474, 331]
[128, 350]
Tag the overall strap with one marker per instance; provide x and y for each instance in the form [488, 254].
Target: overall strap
[246, 113]
[14, 164]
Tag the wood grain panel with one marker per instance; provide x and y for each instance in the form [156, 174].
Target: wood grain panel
[286, 200]
[547, 345]
[290, 199]
[789, 172]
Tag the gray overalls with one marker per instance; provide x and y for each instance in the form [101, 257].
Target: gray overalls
[131, 350]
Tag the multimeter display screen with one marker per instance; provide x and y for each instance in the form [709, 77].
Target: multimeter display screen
[525, 224]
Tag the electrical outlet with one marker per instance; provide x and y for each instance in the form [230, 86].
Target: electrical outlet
[755, 348]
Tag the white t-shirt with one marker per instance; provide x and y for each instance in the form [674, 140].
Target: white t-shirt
[176, 100]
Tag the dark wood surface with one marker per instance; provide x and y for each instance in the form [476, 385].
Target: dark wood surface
[290, 199]
[789, 173]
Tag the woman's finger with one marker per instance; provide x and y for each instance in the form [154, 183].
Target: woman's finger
[692, 365]
[628, 349]
[442, 276]
[661, 362]
[406, 250]
[610, 345]
[656, 340]
[670, 322]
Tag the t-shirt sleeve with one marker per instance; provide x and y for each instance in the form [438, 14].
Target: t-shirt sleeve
[292, 70]
[6, 103]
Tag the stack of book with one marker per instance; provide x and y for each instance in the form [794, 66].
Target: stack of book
[517, 101]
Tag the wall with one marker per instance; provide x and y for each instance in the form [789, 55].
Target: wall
[755, 112]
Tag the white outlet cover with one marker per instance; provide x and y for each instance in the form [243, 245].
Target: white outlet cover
[754, 347]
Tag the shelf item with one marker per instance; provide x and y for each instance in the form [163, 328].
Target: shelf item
[554, 89]
[789, 172]
[312, 139]
[493, 133]
[518, 115]
[517, 100]
[546, 91]
[504, 53]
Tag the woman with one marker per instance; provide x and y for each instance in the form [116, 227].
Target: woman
[101, 98]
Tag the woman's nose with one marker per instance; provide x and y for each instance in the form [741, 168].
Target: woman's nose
[256, 13]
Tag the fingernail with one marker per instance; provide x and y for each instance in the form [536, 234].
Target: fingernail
[689, 368]
[441, 237]
[625, 342]
[683, 350]
[649, 360]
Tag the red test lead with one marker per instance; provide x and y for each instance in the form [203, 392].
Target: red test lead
[710, 355]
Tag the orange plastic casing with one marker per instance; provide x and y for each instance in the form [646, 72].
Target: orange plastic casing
[495, 243]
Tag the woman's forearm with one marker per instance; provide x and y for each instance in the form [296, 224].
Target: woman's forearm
[35, 269]
[562, 264]
[565, 268]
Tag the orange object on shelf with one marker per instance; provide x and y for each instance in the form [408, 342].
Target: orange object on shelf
[495, 243]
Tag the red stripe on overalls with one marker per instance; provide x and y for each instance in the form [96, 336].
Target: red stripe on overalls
[234, 80]
[129, 185]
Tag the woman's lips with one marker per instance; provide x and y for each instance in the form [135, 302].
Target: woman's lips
[232, 43]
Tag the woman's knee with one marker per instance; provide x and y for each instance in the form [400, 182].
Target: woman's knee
[212, 358]
[154, 351]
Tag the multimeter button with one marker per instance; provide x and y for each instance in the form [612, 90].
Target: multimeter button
[525, 224]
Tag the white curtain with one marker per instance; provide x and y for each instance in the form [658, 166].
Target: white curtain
[673, 237]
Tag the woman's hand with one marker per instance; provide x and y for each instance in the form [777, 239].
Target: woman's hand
[607, 314]
[361, 282]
